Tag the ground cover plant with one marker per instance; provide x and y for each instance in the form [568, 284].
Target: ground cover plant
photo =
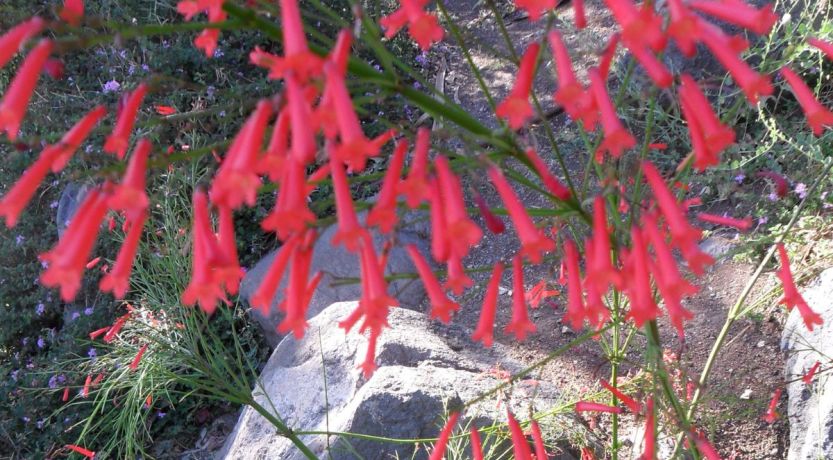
[179, 162]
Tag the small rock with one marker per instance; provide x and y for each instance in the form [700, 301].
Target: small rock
[71, 198]
[747, 394]
[760, 344]
[566, 330]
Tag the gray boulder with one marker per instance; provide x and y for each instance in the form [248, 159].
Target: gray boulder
[71, 197]
[337, 263]
[418, 377]
[810, 407]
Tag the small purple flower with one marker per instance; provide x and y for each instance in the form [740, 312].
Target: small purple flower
[161, 414]
[422, 59]
[740, 177]
[25, 341]
[773, 196]
[92, 353]
[112, 86]
[145, 67]
[801, 190]
[763, 220]
[19, 239]
[53, 381]
[218, 53]
[26, 419]
[53, 204]
[39, 424]
[88, 311]
[132, 69]
[40, 308]
[41, 342]
[75, 315]
[14, 374]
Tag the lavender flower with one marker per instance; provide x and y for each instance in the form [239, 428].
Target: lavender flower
[40, 308]
[88, 311]
[92, 353]
[801, 190]
[112, 86]
[740, 177]
[19, 239]
[75, 315]
[41, 343]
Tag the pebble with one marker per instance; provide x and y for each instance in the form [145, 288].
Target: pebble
[760, 344]
[747, 394]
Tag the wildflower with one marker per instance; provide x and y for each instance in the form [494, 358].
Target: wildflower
[516, 109]
[535, 8]
[705, 447]
[589, 406]
[551, 182]
[640, 28]
[739, 13]
[533, 240]
[85, 391]
[792, 298]
[113, 331]
[164, 110]
[40, 309]
[439, 237]
[456, 280]
[117, 281]
[486, 323]
[540, 450]
[207, 39]
[117, 141]
[72, 12]
[520, 325]
[383, 214]
[780, 182]
[65, 396]
[575, 298]
[629, 402]
[415, 186]
[520, 446]
[303, 138]
[655, 69]
[600, 269]
[808, 377]
[203, 288]
[752, 83]
[616, 137]
[649, 453]
[67, 259]
[771, 414]
[111, 86]
[587, 454]
[493, 222]
[18, 196]
[441, 306]
[298, 290]
[818, 117]
[272, 162]
[716, 135]
[801, 190]
[229, 272]
[461, 232]
[14, 38]
[85, 452]
[608, 54]
[578, 11]
[297, 56]
[291, 213]
[740, 224]
[684, 27]
[638, 290]
[129, 196]
[579, 104]
[423, 27]
[821, 45]
[237, 181]
[96, 333]
[476, 444]
[19, 92]
[349, 233]
[135, 363]
[262, 298]
[75, 136]
[538, 293]
[438, 452]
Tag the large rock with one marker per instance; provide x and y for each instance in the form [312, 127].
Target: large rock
[418, 377]
[810, 407]
[337, 263]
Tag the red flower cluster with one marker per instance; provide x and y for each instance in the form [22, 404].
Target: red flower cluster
[792, 298]
[207, 39]
[423, 27]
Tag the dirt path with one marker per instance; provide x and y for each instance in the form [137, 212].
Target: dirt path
[749, 367]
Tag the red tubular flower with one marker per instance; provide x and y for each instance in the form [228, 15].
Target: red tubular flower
[129, 196]
[739, 13]
[486, 323]
[752, 83]
[534, 242]
[461, 232]
[297, 56]
[96, 333]
[457, 281]
[792, 298]
[415, 186]
[587, 454]
[229, 272]
[72, 12]
[16, 199]
[117, 326]
[818, 117]
[296, 302]
[640, 27]
[709, 135]
[118, 141]
[262, 298]
[684, 27]
[520, 446]
[655, 69]
[271, 163]
[780, 182]
[237, 180]
[535, 8]
[705, 447]
[520, 325]
[578, 103]
[575, 294]
[600, 270]
[808, 377]
[493, 222]
[821, 45]
[13, 39]
[771, 414]
[303, 137]
[540, 450]
[629, 402]
[551, 182]
[203, 287]
[439, 238]
[68, 258]
[740, 224]
[516, 109]
[78, 449]
[19, 92]
[538, 293]
[85, 391]
[578, 10]
[118, 279]
[441, 306]
[423, 27]
[350, 233]
[135, 363]
[476, 444]
[65, 396]
[383, 214]
[207, 39]
[643, 307]
[616, 137]
[75, 136]
[595, 310]
[607, 56]
[649, 453]
[589, 406]
[291, 213]
[438, 452]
